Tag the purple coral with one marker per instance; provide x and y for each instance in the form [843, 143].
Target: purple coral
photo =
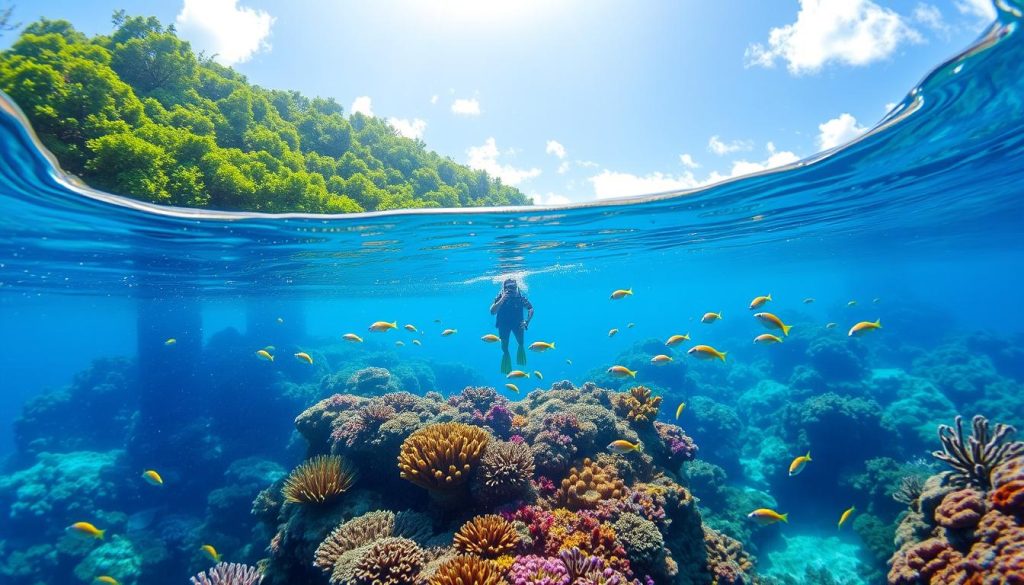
[476, 400]
[681, 447]
[535, 570]
[499, 419]
[228, 574]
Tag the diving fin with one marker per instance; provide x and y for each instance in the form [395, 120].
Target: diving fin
[521, 356]
[506, 363]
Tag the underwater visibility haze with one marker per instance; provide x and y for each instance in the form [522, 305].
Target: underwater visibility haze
[179, 378]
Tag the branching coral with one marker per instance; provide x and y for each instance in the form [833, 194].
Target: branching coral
[638, 406]
[974, 458]
[467, 570]
[727, 561]
[389, 561]
[318, 480]
[228, 574]
[504, 473]
[486, 536]
[441, 456]
[587, 485]
[909, 490]
[353, 534]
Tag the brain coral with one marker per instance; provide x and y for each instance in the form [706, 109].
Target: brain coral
[587, 485]
[389, 561]
[1008, 486]
[440, 456]
[486, 536]
[318, 480]
[961, 509]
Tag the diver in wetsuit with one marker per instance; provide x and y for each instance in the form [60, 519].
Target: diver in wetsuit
[508, 306]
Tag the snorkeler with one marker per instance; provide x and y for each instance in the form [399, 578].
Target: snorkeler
[508, 306]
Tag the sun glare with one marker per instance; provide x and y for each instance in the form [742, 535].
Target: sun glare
[497, 13]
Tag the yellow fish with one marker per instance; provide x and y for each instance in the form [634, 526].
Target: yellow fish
[410, 328]
[612, 332]
[679, 409]
[846, 516]
[87, 529]
[711, 317]
[767, 338]
[661, 359]
[303, 356]
[107, 579]
[808, 300]
[265, 355]
[512, 387]
[799, 463]
[772, 322]
[622, 446]
[706, 352]
[630, 325]
[170, 341]
[542, 346]
[851, 303]
[448, 332]
[830, 326]
[765, 516]
[517, 374]
[383, 325]
[538, 375]
[152, 477]
[622, 293]
[490, 338]
[352, 337]
[677, 339]
[863, 327]
[211, 552]
[399, 343]
[758, 301]
[621, 372]
[416, 342]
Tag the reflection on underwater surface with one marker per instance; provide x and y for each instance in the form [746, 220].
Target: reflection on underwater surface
[919, 222]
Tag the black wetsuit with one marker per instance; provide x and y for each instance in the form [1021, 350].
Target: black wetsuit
[510, 314]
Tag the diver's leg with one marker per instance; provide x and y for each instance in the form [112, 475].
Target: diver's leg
[506, 359]
[521, 352]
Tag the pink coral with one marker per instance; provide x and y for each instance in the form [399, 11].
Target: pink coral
[920, 562]
[1008, 486]
[961, 509]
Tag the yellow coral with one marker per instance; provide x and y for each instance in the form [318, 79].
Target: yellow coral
[587, 485]
[441, 456]
[467, 570]
[639, 405]
[318, 480]
[486, 536]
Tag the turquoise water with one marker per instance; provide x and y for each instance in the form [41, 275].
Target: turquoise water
[920, 221]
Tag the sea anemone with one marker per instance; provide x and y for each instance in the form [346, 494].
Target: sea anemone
[318, 480]
[440, 456]
[974, 459]
[467, 570]
[389, 561]
[505, 472]
[486, 536]
[357, 532]
[228, 574]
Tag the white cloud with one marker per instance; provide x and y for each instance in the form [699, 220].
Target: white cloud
[776, 158]
[434, 98]
[222, 28]
[610, 184]
[930, 16]
[554, 147]
[688, 161]
[890, 107]
[717, 146]
[852, 32]
[362, 105]
[839, 130]
[563, 167]
[485, 158]
[980, 9]
[549, 198]
[466, 107]
[409, 128]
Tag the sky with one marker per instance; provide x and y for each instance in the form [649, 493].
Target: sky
[577, 100]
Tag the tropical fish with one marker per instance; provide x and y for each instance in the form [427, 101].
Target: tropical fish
[170, 341]
[383, 326]
[758, 301]
[845, 516]
[706, 352]
[280, 320]
[512, 387]
[711, 317]
[851, 303]
[542, 346]
[876, 300]
[538, 375]
[772, 322]
[622, 446]
[303, 356]
[622, 293]
[677, 339]
[799, 463]
[568, 361]
[830, 326]
[765, 516]
[87, 529]
[490, 338]
[808, 300]
[767, 338]
[265, 355]
[679, 409]
[416, 342]
[399, 343]
[211, 552]
[661, 359]
[622, 372]
[517, 374]
[410, 328]
[270, 348]
[352, 337]
[630, 325]
[612, 332]
[863, 327]
[448, 332]
[152, 477]
[107, 579]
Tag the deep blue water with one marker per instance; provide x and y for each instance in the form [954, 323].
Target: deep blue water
[921, 221]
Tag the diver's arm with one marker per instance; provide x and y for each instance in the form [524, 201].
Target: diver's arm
[498, 302]
[529, 313]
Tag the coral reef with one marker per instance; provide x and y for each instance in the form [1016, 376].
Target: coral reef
[505, 473]
[488, 536]
[389, 561]
[318, 481]
[588, 485]
[973, 459]
[228, 574]
[440, 457]
[463, 570]
[638, 406]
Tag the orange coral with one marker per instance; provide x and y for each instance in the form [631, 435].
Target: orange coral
[639, 406]
[1008, 486]
[587, 485]
[467, 570]
[486, 536]
[441, 456]
[318, 480]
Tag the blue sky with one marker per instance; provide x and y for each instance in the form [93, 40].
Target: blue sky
[576, 100]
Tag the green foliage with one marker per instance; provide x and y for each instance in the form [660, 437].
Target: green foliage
[137, 112]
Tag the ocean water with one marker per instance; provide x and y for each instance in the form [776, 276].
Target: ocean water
[918, 224]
